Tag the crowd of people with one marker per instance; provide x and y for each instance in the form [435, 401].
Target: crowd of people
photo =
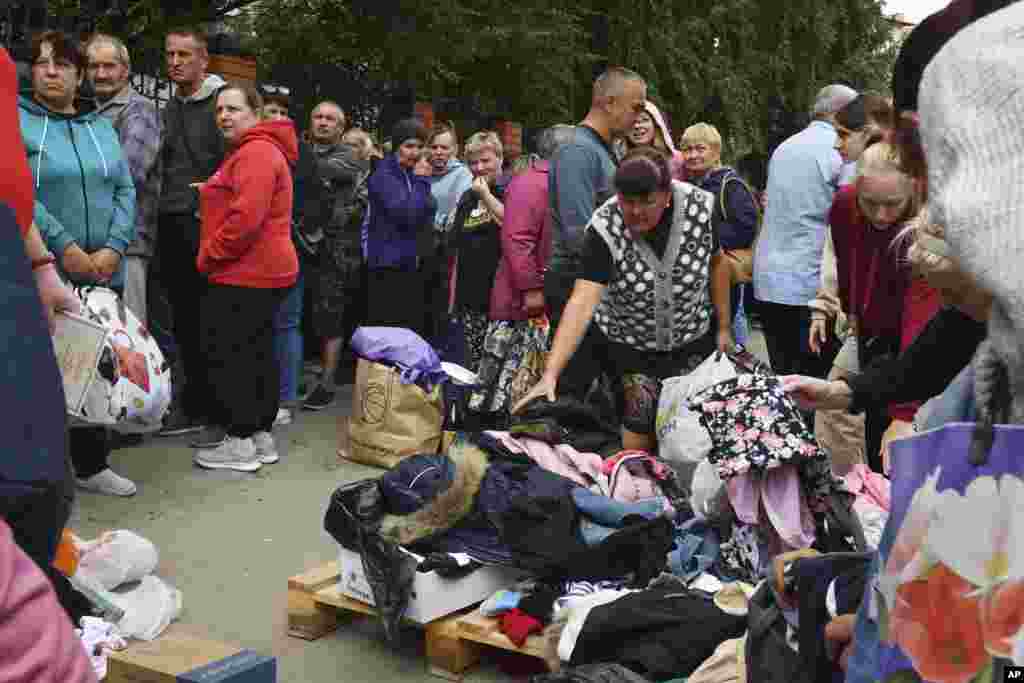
[634, 253]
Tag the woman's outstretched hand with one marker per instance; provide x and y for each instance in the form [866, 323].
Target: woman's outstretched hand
[811, 393]
[545, 387]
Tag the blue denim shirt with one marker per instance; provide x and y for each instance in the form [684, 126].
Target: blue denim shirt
[803, 175]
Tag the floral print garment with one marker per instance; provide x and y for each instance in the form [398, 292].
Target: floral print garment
[754, 425]
[511, 363]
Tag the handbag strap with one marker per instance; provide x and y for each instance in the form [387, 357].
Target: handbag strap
[734, 177]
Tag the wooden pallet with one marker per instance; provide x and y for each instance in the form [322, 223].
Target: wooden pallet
[454, 643]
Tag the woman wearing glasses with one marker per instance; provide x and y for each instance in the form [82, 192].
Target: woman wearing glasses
[84, 207]
[655, 282]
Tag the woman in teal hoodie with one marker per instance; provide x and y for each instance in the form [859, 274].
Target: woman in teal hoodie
[84, 206]
[85, 198]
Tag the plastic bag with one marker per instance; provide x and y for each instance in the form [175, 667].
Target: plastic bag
[705, 489]
[148, 608]
[115, 558]
[113, 371]
[681, 436]
[400, 348]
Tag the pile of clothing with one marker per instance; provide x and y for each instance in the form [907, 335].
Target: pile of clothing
[626, 578]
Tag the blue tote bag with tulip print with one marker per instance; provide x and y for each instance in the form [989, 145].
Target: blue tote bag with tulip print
[948, 599]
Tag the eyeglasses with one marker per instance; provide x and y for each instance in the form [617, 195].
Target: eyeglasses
[276, 90]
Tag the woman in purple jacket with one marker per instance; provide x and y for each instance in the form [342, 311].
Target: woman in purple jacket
[517, 297]
[400, 207]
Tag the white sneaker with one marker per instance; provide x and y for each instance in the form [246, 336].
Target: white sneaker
[109, 483]
[284, 417]
[234, 454]
[266, 449]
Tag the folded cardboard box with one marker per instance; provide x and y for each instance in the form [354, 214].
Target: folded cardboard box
[181, 657]
[433, 596]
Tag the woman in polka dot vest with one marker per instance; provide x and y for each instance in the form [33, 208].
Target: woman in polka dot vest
[656, 284]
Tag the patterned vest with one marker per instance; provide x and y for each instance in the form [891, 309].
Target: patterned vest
[652, 304]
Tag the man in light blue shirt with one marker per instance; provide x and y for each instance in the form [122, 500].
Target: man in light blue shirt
[803, 175]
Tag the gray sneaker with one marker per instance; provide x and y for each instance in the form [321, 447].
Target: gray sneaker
[234, 454]
[210, 437]
[266, 449]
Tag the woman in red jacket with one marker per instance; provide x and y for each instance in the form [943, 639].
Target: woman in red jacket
[246, 253]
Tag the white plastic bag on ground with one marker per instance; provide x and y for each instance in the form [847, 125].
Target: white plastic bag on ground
[115, 558]
[705, 488]
[148, 608]
[681, 436]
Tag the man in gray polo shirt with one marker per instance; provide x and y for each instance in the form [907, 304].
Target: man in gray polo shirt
[579, 182]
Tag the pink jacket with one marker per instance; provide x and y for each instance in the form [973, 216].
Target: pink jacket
[525, 243]
[36, 637]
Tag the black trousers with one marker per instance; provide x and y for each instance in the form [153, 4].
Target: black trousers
[395, 298]
[90, 448]
[787, 335]
[176, 253]
[876, 417]
[237, 339]
[588, 363]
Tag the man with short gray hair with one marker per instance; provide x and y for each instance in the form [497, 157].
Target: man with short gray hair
[138, 128]
[803, 175]
[579, 182]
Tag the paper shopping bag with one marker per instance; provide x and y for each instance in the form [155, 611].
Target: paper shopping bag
[949, 599]
[391, 420]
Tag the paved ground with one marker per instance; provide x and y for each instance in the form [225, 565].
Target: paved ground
[230, 541]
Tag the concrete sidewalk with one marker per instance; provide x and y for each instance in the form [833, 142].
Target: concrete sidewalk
[230, 541]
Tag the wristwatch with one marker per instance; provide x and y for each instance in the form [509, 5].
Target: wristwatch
[43, 261]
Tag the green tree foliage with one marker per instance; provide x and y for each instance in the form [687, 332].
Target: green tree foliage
[721, 61]
[533, 60]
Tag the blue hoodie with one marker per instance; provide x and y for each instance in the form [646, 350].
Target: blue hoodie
[448, 188]
[400, 207]
[83, 186]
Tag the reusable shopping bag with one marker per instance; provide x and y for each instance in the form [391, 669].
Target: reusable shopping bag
[113, 370]
[949, 598]
[390, 419]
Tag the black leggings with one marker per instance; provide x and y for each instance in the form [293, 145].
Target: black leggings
[90, 448]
